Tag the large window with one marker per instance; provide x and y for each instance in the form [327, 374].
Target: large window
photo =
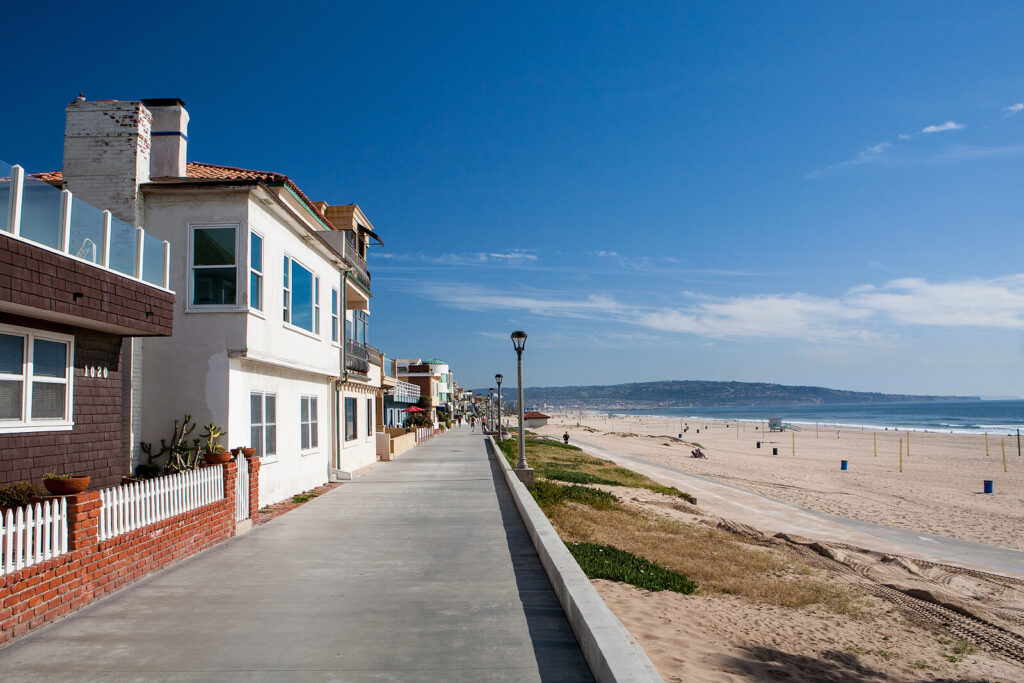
[369, 417]
[213, 266]
[301, 298]
[308, 423]
[263, 423]
[350, 419]
[255, 271]
[361, 326]
[334, 315]
[36, 372]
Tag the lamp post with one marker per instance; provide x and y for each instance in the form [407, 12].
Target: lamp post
[523, 470]
[497, 379]
[490, 410]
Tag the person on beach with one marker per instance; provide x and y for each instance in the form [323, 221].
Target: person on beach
[565, 438]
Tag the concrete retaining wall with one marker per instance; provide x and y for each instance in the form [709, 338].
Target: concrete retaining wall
[611, 651]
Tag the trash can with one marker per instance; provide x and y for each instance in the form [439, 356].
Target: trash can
[758, 444]
[842, 465]
[988, 486]
[680, 436]
[775, 451]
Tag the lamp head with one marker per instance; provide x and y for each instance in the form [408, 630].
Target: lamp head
[498, 378]
[519, 340]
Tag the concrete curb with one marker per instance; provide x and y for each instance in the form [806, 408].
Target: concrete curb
[611, 651]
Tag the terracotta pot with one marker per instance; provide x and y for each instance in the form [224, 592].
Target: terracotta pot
[66, 487]
[217, 458]
[249, 452]
[236, 451]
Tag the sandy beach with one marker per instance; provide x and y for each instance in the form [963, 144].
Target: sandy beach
[939, 491]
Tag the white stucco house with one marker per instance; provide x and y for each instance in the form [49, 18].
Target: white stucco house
[273, 296]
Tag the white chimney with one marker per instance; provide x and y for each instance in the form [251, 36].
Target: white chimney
[106, 155]
[170, 137]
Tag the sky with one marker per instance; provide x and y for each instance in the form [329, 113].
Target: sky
[801, 192]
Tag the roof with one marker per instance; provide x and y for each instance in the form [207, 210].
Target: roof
[534, 414]
[435, 361]
[198, 171]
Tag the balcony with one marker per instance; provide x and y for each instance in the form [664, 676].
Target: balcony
[406, 392]
[358, 263]
[37, 212]
[357, 357]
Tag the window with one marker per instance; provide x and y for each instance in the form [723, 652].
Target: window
[316, 305]
[35, 379]
[213, 266]
[308, 422]
[350, 419]
[255, 271]
[301, 296]
[263, 421]
[369, 417]
[334, 315]
[361, 326]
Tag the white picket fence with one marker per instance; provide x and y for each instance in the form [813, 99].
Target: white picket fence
[135, 505]
[242, 489]
[33, 533]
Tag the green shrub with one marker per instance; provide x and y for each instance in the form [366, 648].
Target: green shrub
[608, 562]
[671, 491]
[20, 493]
[574, 477]
[548, 494]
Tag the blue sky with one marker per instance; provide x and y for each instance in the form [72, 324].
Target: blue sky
[807, 193]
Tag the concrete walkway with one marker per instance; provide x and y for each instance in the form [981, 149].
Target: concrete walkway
[772, 515]
[418, 570]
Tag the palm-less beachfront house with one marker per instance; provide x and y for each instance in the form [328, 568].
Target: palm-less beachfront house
[267, 286]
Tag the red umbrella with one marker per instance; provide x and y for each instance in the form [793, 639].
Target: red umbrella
[413, 409]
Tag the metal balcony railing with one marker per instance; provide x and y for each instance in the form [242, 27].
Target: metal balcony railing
[38, 212]
[357, 358]
[407, 392]
[358, 263]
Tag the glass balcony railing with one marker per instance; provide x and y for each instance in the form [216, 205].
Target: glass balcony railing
[38, 212]
[358, 263]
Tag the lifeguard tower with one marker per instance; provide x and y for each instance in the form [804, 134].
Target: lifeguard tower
[775, 424]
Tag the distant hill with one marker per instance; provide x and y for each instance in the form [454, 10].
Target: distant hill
[690, 393]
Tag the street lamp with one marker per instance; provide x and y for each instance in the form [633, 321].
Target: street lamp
[519, 343]
[490, 409]
[498, 378]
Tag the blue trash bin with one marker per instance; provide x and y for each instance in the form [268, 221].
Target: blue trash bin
[988, 486]
[842, 465]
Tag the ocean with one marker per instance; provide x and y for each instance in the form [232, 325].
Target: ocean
[996, 417]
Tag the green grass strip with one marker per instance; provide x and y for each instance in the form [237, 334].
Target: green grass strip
[609, 562]
[574, 477]
[548, 494]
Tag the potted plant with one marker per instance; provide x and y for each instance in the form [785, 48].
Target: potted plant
[64, 484]
[214, 453]
[248, 452]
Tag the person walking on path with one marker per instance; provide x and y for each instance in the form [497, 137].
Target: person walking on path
[472, 423]
[565, 438]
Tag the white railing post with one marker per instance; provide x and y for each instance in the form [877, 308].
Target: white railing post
[14, 207]
[65, 221]
[140, 239]
[105, 254]
[167, 265]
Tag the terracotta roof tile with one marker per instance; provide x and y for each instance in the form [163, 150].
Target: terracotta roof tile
[196, 170]
[534, 414]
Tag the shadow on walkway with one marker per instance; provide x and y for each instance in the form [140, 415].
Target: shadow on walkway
[558, 654]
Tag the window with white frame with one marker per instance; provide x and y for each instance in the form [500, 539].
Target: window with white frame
[361, 326]
[255, 271]
[214, 276]
[369, 417]
[36, 370]
[334, 315]
[308, 423]
[263, 423]
[301, 296]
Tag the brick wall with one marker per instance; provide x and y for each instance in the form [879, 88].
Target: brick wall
[92, 568]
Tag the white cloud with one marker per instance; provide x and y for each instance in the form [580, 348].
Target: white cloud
[867, 155]
[905, 136]
[997, 303]
[605, 254]
[942, 127]
[863, 313]
[1013, 110]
